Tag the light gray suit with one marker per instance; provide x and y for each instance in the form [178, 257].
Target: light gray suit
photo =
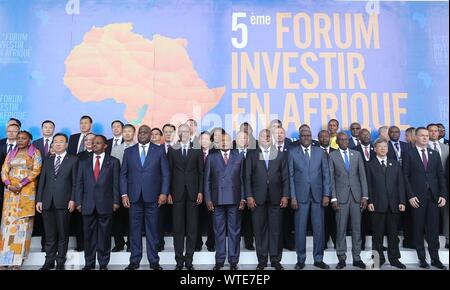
[444, 211]
[119, 150]
[348, 189]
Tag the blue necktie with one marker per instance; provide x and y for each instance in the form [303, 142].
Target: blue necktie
[346, 161]
[143, 155]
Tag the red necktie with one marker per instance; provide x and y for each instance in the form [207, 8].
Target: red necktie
[424, 159]
[97, 168]
[366, 152]
[225, 158]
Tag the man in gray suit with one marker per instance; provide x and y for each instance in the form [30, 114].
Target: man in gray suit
[120, 216]
[309, 177]
[349, 198]
[433, 130]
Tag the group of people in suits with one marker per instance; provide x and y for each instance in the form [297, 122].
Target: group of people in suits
[271, 188]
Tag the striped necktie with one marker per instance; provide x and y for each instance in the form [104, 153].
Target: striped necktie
[57, 164]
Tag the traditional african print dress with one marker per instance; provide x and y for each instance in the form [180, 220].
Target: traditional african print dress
[20, 166]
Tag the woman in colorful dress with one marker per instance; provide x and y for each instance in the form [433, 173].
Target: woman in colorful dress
[19, 174]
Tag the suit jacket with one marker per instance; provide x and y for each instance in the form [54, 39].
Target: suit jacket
[391, 150]
[224, 184]
[297, 144]
[149, 180]
[344, 183]
[118, 152]
[185, 172]
[100, 195]
[110, 145]
[3, 141]
[386, 189]
[60, 188]
[351, 143]
[73, 144]
[372, 154]
[419, 181]
[266, 184]
[84, 155]
[39, 144]
[304, 179]
[444, 153]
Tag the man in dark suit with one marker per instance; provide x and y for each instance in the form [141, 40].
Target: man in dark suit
[97, 197]
[442, 134]
[186, 194]
[16, 122]
[43, 145]
[8, 145]
[309, 179]
[144, 185]
[267, 190]
[397, 148]
[193, 133]
[354, 141]
[278, 136]
[368, 154]
[205, 220]
[224, 195]
[76, 141]
[297, 142]
[117, 139]
[76, 219]
[246, 226]
[427, 193]
[386, 200]
[329, 215]
[55, 200]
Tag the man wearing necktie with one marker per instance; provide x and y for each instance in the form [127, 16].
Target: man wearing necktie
[443, 151]
[43, 145]
[10, 143]
[309, 179]
[186, 170]
[354, 141]
[117, 139]
[329, 214]
[387, 199]
[267, 191]
[397, 148]
[76, 141]
[120, 222]
[427, 193]
[224, 196]
[349, 198]
[56, 200]
[97, 197]
[367, 153]
[246, 226]
[144, 185]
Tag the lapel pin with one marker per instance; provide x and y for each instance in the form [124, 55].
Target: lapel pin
[390, 164]
[430, 152]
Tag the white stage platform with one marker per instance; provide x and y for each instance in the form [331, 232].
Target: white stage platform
[203, 259]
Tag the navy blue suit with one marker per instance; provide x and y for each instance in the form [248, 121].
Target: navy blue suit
[309, 183]
[224, 186]
[96, 199]
[143, 185]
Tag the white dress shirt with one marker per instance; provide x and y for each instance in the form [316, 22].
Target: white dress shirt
[364, 147]
[309, 151]
[382, 159]
[398, 152]
[282, 147]
[356, 141]
[94, 159]
[420, 152]
[431, 143]
[119, 140]
[62, 157]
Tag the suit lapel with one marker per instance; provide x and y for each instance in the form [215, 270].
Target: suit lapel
[63, 163]
[419, 159]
